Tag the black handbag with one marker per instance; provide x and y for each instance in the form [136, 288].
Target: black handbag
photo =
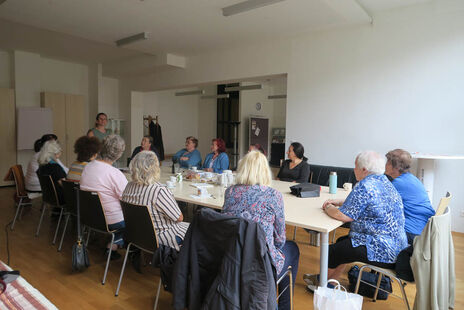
[80, 257]
[305, 190]
[371, 278]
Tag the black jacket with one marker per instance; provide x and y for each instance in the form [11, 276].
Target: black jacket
[155, 133]
[224, 263]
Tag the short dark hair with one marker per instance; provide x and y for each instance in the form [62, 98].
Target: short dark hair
[48, 137]
[38, 145]
[220, 144]
[98, 115]
[399, 159]
[193, 139]
[150, 138]
[298, 149]
[86, 147]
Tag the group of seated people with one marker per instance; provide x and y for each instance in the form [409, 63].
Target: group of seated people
[217, 161]
[385, 215]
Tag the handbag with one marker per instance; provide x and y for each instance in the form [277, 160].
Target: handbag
[371, 278]
[334, 299]
[304, 190]
[80, 257]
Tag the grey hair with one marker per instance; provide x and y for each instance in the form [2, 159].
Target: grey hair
[145, 168]
[372, 161]
[48, 152]
[113, 147]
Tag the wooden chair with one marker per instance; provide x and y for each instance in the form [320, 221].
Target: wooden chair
[93, 218]
[444, 203]
[15, 173]
[139, 232]
[50, 199]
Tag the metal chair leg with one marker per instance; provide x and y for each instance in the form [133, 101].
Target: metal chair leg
[40, 221]
[17, 212]
[122, 270]
[379, 279]
[88, 237]
[157, 295]
[405, 298]
[64, 231]
[333, 237]
[57, 227]
[108, 259]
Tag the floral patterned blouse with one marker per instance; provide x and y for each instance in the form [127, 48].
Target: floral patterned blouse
[264, 205]
[378, 219]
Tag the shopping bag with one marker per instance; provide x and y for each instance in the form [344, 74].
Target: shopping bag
[334, 299]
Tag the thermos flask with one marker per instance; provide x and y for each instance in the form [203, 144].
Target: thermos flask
[333, 182]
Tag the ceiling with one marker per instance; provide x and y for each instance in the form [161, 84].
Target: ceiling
[188, 27]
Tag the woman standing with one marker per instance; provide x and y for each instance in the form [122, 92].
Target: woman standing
[217, 160]
[252, 198]
[295, 169]
[99, 130]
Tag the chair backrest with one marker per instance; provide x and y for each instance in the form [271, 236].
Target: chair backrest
[49, 194]
[444, 203]
[320, 175]
[18, 175]
[91, 211]
[70, 195]
[139, 226]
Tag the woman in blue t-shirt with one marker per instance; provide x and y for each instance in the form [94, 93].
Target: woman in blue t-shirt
[217, 161]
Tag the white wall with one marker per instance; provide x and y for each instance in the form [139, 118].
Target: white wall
[6, 69]
[396, 83]
[207, 121]
[108, 101]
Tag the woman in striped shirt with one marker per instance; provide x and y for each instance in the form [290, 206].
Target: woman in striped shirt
[146, 190]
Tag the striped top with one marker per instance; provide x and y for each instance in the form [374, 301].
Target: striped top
[75, 171]
[164, 210]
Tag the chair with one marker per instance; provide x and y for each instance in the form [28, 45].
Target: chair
[444, 202]
[49, 199]
[139, 232]
[288, 273]
[71, 207]
[93, 218]
[16, 173]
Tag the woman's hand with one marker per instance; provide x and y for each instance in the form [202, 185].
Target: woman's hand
[208, 169]
[335, 202]
[184, 158]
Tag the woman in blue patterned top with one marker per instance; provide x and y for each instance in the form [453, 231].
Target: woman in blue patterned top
[254, 200]
[375, 210]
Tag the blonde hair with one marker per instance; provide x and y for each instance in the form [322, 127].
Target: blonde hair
[145, 168]
[253, 169]
[48, 152]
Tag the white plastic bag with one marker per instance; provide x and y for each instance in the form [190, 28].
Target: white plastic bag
[334, 299]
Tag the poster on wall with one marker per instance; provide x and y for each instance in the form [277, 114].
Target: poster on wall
[259, 132]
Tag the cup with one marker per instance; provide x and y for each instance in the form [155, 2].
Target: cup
[202, 191]
[230, 179]
[171, 184]
[209, 175]
[227, 171]
[194, 168]
[173, 178]
[348, 186]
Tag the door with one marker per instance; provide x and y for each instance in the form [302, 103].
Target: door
[259, 132]
[75, 125]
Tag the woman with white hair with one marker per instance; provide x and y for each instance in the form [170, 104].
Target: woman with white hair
[48, 165]
[375, 210]
[100, 176]
[145, 189]
[252, 198]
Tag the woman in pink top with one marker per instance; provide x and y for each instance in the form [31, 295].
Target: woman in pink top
[100, 176]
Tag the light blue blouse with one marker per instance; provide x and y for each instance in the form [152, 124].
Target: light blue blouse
[378, 219]
[219, 164]
[193, 161]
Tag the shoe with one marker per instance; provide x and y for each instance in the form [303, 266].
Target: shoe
[114, 254]
[311, 279]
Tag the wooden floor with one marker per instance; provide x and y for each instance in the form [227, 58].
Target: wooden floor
[50, 271]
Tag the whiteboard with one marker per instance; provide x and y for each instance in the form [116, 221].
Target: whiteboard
[32, 124]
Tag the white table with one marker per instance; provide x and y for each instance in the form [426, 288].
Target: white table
[299, 212]
[426, 169]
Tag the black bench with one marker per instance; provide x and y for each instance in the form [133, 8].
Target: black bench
[320, 175]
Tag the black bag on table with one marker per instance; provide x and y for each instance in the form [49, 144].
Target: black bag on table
[305, 190]
[80, 257]
[370, 277]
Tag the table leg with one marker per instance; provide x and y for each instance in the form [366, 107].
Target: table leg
[324, 258]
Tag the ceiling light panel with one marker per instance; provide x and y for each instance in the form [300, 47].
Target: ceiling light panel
[246, 6]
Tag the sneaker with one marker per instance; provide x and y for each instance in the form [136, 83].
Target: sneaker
[311, 279]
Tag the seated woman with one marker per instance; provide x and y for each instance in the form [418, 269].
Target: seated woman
[375, 211]
[217, 160]
[190, 156]
[257, 147]
[253, 199]
[145, 145]
[145, 189]
[416, 202]
[86, 149]
[100, 176]
[296, 168]
[48, 165]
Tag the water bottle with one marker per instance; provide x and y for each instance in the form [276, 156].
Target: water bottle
[333, 182]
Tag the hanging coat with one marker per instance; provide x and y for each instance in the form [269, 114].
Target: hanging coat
[155, 133]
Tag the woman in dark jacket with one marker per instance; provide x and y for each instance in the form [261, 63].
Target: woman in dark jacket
[295, 168]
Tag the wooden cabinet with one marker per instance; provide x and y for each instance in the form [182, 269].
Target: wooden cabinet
[7, 132]
[69, 121]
